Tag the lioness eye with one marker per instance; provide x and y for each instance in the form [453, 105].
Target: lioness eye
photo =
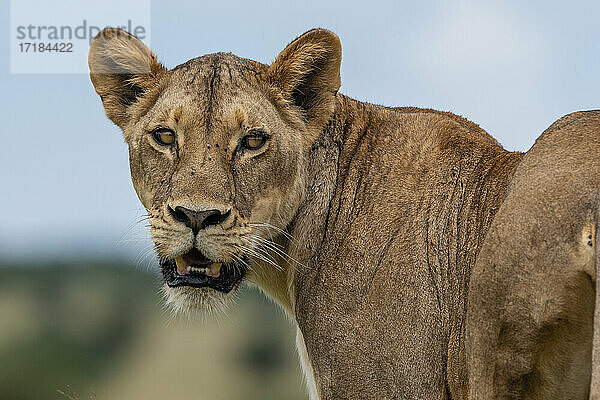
[164, 137]
[254, 142]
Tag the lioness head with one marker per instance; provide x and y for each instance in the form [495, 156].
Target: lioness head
[217, 150]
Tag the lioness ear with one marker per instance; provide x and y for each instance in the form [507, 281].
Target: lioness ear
[122, 68]
[308, 73]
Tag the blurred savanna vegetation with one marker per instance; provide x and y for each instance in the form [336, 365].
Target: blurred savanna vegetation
[101, 331]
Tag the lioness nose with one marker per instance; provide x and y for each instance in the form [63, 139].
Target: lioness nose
[197, 220]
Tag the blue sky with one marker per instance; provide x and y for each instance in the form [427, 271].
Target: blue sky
[513, 67]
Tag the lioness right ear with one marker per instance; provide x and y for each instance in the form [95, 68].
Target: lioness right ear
[308, 74]
[122, 68]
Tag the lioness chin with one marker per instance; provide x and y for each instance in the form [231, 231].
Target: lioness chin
[419, 259]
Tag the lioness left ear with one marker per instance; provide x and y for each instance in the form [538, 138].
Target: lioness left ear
[122, 69]
[308, 73]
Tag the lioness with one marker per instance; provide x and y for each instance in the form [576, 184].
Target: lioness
[419, 259]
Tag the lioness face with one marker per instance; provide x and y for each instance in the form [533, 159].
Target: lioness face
[215, 166]
[217, 150]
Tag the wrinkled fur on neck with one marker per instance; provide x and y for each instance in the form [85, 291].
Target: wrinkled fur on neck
[429, 182]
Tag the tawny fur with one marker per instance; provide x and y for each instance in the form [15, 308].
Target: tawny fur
[419, 259]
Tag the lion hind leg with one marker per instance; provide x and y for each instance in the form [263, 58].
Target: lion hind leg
[533, 319]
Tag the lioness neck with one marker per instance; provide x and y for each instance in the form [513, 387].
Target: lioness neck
[397, 203]
[370, 157]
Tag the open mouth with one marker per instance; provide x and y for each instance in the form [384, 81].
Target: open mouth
[196, 270]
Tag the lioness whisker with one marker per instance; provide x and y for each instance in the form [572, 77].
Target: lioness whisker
[278, 249]
[123, 239]
[261, 256]
[283, 232]
[265, 245]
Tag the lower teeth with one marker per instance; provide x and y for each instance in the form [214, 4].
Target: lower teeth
[194, 269]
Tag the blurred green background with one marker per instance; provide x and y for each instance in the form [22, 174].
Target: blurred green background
[102, 332]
